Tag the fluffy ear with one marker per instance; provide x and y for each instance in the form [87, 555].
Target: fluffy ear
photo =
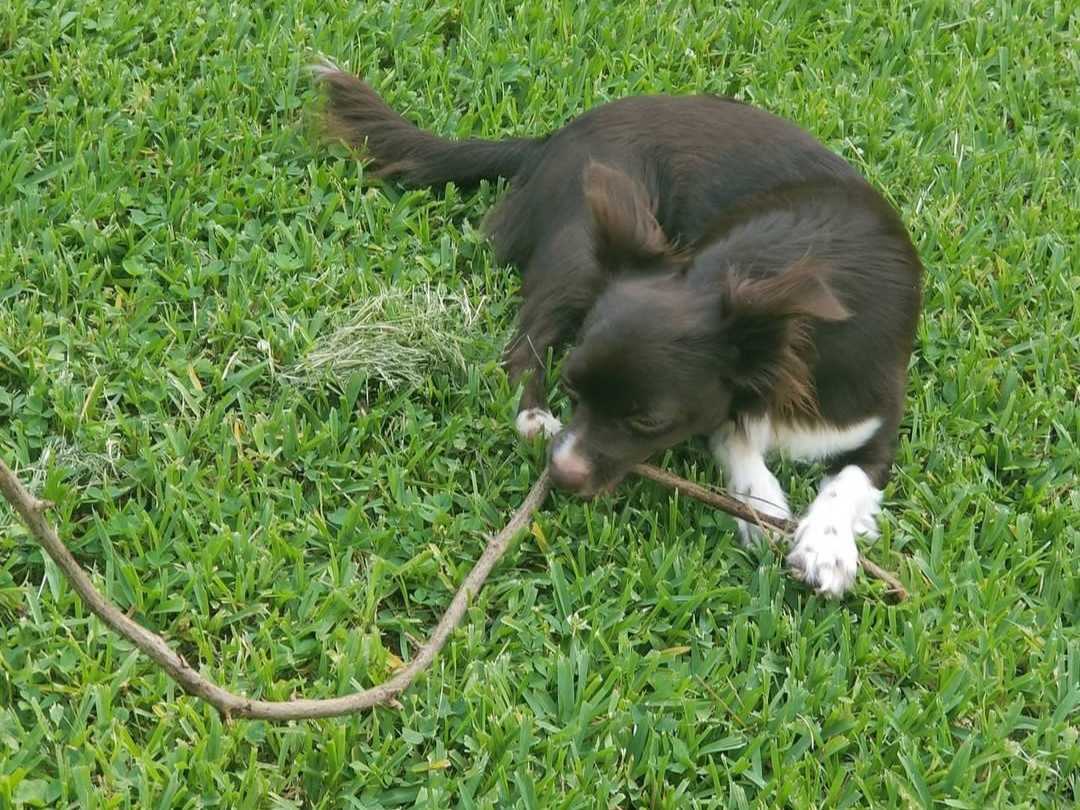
[801, 291]
[625, 230]
[767, 320]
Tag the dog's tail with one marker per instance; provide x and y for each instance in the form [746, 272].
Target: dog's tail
[357, 115]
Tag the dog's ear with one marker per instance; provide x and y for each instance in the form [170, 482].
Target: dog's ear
[766, 322]
[800, 291]
[625, 230]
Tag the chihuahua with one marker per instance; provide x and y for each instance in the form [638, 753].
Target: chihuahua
[715, 271]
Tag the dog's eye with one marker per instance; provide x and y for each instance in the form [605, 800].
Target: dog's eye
[646, 425]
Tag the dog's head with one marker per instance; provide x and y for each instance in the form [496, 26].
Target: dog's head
[669, 345]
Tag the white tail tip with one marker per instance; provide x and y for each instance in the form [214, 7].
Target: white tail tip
[323, 66]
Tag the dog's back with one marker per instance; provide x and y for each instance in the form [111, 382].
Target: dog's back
[695, 156]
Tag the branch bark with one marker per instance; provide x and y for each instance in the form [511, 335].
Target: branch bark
[229, 704]
[32, 510]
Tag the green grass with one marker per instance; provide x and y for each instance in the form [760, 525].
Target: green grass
[174, 245]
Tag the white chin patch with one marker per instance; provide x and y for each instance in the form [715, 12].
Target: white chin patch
[535, 422]
[825, 555]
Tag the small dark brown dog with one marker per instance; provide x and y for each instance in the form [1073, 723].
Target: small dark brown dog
[719, 272]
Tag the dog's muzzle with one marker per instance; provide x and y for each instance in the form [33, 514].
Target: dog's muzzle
[569, 468]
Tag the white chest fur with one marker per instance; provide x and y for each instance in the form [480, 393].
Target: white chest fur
[807, 442]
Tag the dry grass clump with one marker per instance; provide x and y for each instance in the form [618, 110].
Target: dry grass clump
[395, 338]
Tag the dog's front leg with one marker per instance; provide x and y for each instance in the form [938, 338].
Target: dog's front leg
[525, 362]
[561, 284]
[740, 450]
[825, 554]
[847, 505]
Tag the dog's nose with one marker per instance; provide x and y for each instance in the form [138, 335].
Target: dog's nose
[572, 479]
[569, 469]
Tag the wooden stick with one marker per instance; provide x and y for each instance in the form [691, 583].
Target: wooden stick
[740, 510]
[32, 510]
[715, 498]
[229, 704]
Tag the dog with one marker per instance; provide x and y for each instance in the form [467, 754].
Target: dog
[716, 271]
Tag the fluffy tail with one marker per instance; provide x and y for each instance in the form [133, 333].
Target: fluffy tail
[357, 115]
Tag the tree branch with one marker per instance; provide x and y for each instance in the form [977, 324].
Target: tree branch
[232, 705]
[32, 510]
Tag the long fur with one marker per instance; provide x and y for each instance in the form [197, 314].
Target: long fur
[356, 114]
[711, 263]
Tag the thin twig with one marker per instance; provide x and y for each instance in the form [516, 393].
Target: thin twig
[741, 510]
[714, 498]
[229, 704]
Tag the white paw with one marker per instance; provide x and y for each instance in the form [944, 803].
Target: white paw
[766, 496]
[751, 535]
[866, 524]
[851, 488]
[535, 422]
[825, 555]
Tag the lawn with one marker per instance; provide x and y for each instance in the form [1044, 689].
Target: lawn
[178, 257]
